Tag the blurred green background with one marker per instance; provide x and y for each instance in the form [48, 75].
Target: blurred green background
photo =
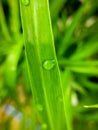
[75, 29]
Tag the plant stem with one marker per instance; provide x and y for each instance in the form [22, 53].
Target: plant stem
[11, 63]
[85, 70]
[66, 62]
[14, 19]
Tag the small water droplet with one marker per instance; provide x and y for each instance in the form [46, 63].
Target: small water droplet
[59, 98]
[25, 2]
[44, 126]
[39, 107]
[49, 64]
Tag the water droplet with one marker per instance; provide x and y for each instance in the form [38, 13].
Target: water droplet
[44, 126]
[39, 107]
[59, 98]
[49, 64]
[25, 2]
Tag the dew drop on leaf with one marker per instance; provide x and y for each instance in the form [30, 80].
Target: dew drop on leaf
[25, 2]
[44, 126]
[59, 98]
[39, 107]
[49, 64]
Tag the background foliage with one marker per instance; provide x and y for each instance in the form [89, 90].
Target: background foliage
[75, 31]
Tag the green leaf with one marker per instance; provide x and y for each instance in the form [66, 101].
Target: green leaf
[42, 63]
[68, 34]
[65, 62]
[14, 19]
[87, 50]
[55, 7]
[86, 83]
[11, 63]
[91, 106]
[84, 70]
[3, 24]
[67, 97]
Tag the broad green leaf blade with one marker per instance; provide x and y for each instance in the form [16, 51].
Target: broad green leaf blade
[42, 63]
[26, 81]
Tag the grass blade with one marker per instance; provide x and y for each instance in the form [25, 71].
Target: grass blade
[67, 97]
[85, 70]
[42, 63]
[55, 7]
[66, 62]
[86, 83]
[67, 37]
[11, 63]
[3, 23]
[14, 19]
[91, 106]
[86, 50]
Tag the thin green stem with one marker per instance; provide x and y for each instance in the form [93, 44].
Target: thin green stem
[14, 18]
[66, 62]
[10, 71]
[85, 70]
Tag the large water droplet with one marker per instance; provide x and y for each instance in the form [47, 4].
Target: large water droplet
[49, 64]
[25, 2]
[39, 107]
[44, 126]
